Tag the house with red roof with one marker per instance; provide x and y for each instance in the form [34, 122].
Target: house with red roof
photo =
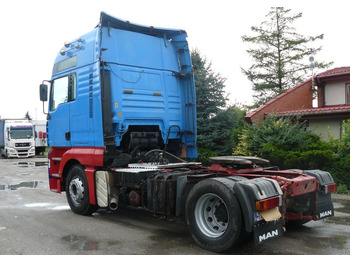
[323, 102]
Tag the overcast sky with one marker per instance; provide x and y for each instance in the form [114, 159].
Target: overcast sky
[33, 32]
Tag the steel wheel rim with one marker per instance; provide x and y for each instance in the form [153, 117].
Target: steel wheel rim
[211, 215]
[76, 191]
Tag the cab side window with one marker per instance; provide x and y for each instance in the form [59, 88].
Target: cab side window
[63, 90]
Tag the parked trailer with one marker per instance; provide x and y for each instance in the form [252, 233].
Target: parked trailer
[40, 136]
[122, 115]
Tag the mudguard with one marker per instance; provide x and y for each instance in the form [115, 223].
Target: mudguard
[248, 191]
[324, 206]
[323, 177]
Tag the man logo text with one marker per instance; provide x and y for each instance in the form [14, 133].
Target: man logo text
[268, 235]
[326, 213]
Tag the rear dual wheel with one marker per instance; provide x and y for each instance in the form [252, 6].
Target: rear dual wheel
[213, 215]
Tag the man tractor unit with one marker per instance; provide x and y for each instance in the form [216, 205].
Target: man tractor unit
[16, 138]
[122, 117]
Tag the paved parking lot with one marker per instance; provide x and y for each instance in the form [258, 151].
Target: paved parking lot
[34, 220]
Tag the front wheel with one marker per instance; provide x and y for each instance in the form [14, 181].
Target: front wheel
[213, 215]
[77, 191]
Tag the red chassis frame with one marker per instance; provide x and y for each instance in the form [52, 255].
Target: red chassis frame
[292, 184]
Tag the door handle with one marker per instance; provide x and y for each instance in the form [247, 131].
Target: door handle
[67, 135]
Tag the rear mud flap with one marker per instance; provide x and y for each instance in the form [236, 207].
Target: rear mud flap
[324, 206]
[267, 230]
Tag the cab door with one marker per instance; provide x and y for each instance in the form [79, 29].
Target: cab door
[58, 124]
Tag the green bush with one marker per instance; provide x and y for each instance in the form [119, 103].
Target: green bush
[289, 145]
[341, 166]
[309, 159]
[342, 189]
[204, 154]
[286, 143]
[284, 134]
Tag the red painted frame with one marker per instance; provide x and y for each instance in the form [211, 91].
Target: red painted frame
[89, 157]
[292, 184]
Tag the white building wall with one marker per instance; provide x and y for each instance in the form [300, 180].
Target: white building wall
[326, 128]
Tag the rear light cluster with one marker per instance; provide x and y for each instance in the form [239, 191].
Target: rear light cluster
[330, 188]
[269, 203]
[42, 134]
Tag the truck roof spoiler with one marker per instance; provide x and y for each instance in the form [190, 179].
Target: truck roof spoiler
[113, 22]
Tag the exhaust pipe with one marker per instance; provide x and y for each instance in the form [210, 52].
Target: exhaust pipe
[113, 203]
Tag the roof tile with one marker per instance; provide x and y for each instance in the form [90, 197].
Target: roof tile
[316, 111]
[335, 72]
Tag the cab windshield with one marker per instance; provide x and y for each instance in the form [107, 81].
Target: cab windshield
[21, 132]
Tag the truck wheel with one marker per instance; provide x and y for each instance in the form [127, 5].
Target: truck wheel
[77, 191]
[213, 215]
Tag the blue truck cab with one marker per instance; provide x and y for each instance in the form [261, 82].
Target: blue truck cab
[125, 88]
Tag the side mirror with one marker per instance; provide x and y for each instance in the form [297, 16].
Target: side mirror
[43, 92]
[8, 134]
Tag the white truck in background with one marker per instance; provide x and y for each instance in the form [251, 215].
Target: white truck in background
[16, 138]
[40, 136]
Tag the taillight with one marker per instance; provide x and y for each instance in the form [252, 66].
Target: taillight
[269, 203]
[330, 188]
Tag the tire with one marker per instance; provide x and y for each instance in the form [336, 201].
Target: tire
[77, 191]
[213, 215]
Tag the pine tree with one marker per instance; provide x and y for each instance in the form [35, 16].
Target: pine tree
[215, 122]
[210, 94]
[280, 55]
[27, 116]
